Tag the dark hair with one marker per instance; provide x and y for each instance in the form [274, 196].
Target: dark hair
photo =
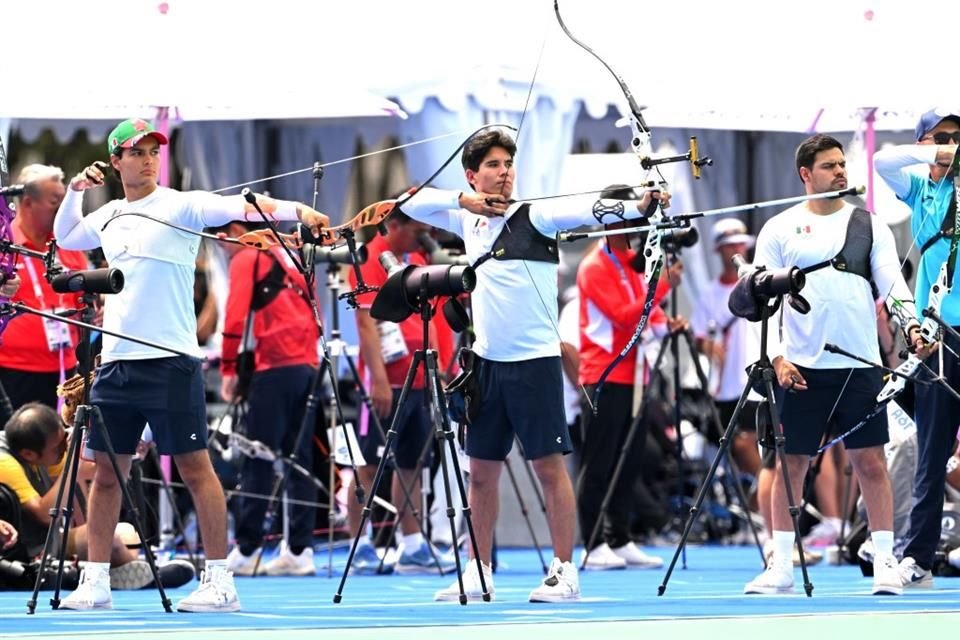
[809, 148]
[30, 427]
[480, 145]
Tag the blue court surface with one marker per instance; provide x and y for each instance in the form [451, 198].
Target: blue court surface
[702, 601]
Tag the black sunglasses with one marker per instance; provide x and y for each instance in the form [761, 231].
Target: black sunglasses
[944, 137]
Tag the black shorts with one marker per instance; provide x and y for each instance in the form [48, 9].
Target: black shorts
[746, 421]
[523, 398]
[804, 414]
[167, 393]
[413, 431]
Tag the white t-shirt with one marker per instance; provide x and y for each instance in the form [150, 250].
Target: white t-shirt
[515, 301]
[741, 342]
[843, 308]
[157, 262]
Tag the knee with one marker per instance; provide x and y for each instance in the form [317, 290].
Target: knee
[195, 470]
[551, 470]
[105, 479]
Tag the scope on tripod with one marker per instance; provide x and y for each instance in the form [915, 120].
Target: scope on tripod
[314, 253]
[409, 286]
[90, 281]
[757, 286]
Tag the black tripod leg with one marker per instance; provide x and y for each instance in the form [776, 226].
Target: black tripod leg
[731, 465]
[438, 403]
[702, 491]
[60, 509]
[526, 515]
[97, 419]
[378, 475]
[404, 487]
[792, 506]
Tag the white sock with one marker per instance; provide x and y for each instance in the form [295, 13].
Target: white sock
[222, 563]
[882, 543]
[95, 568]
[783, 548]
[412, 542]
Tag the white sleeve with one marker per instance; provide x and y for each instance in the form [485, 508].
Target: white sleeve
[213, 210]
[885, 267]
[436, 207]
[70, 228]
[892, 162]
[562, 214]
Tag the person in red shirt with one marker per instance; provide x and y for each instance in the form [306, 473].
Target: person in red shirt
[268, 312]
[612, 295]
[386, 353]
[36, 353]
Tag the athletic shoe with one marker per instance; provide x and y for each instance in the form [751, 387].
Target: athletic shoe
[93, 592]
[913, 576]
[289, 564]
[241, 565]
[637, 559]
[886, 576]
[422, 561]
[366, 561]
[471, 585]
[823, 534]
[216, 594]
[562, 584]
[778, 578]
[601, 558]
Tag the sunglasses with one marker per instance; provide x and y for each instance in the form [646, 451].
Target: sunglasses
[944, 137]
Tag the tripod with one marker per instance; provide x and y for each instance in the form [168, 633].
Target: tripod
[84, 417]
[761, 372]
[338, 347]
[444, 434]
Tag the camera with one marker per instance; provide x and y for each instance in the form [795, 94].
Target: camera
[409, 286]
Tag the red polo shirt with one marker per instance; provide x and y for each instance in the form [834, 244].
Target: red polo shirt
[23, 346]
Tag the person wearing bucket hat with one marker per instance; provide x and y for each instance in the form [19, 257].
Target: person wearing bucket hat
[136, 384]
[842, 248]
[931, 197]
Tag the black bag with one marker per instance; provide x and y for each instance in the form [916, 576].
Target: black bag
[463, 392]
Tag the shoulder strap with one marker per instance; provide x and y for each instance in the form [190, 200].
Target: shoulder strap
[854, 257]
[520, 240]
[946, 227]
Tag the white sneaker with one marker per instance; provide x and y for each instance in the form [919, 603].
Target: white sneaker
[777, 578]
[216, 593]
[637, 559]
[93, 592]
[601, 558]
[241, 565]
[471, 585]
[562, 584]
[886, 576]
[289, 564]
[912, 576]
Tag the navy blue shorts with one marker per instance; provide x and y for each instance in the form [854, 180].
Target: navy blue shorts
[804, 414]
[166, 392]
[413, 431]
[522, 398]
